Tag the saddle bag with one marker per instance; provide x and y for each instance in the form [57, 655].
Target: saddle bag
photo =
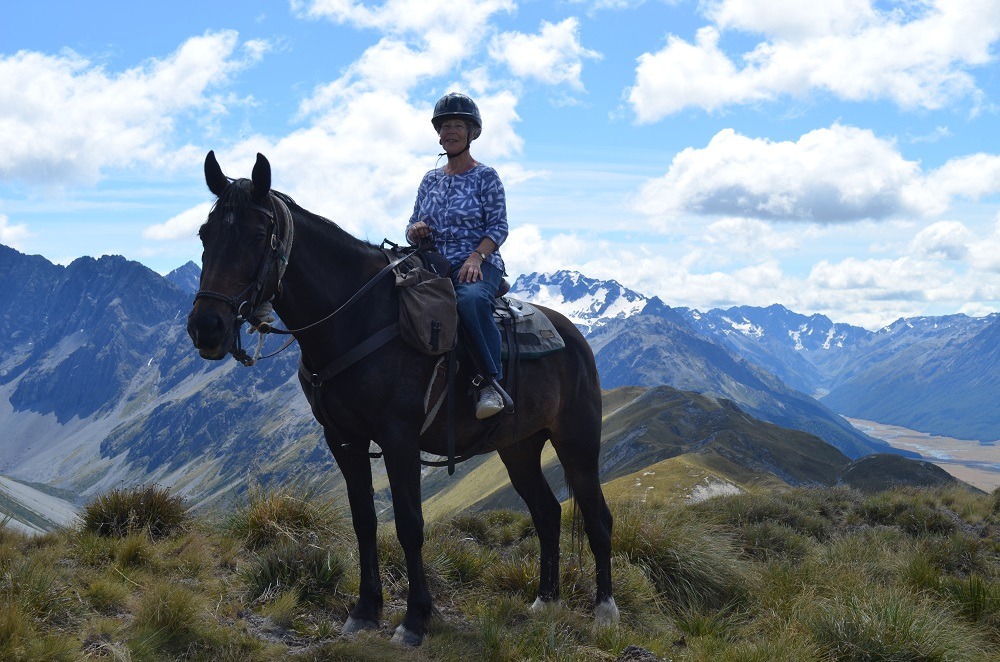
[428, 313]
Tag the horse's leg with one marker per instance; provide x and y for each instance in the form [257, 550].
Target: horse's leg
[357, 470]
[578, 445]
[524, 466]
[403, 471]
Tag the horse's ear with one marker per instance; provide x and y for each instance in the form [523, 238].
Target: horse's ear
[216, 180]
[261, 176]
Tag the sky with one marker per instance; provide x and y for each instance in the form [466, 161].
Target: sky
[837, 157]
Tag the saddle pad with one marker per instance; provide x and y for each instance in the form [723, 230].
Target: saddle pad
[533, 331]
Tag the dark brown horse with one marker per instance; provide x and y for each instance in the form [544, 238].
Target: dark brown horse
[365, 384]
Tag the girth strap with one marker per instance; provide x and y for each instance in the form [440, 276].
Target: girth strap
[350, 357]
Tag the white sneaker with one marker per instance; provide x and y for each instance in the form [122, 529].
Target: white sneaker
[490, 403]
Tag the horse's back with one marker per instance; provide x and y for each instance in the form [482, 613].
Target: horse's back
[577, 366]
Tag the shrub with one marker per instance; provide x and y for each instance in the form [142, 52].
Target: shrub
[514, 576]
[888, 624]
[314, 571]
[960, 554]
[807, 512]
[496, 528]
[976, 598]
[692, 563]
[456, 561]
[289, 513]
[909, 510]
[766, 540]
[168, 616]
[134, 551]
[107, 595]
[128, 510]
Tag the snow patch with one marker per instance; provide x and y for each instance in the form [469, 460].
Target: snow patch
[712, 489]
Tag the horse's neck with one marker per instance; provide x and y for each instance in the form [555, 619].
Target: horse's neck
[325, 268]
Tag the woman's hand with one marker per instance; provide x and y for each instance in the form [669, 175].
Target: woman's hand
[472, 269]
[418, 231]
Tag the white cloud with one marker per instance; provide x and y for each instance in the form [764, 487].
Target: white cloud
[684, 74]
[748, 236]
[901, 277]
[12, 235]
[916, 55]
[63, 119]
[360, 162]
[423, 40]
[526, 251]
[181, 227]
[430, 17]
[791, 19]
[984, 252]
[944, 240]
[829, 175]
[837, 174]
[553, 56]
[967, 177]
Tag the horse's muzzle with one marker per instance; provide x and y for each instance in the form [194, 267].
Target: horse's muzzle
[211, 334]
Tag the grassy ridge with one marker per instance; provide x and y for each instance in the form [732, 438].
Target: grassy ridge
[792, 574]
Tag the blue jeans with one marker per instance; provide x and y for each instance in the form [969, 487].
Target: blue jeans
[475, 311]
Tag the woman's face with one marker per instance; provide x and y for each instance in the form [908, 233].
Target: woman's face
[454, 135]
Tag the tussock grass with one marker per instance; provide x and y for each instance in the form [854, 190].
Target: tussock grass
[915, 512]
[313, 571]
[123, 511]
[298, 511]
[888, 624]
[792, 575]
[692, 563]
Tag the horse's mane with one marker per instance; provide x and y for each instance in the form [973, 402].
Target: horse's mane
[240, 195]
[322, 221]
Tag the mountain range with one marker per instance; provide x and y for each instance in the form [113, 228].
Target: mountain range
[100, 387]
[934, 374]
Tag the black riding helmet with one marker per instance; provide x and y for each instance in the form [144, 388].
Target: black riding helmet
[457, 106]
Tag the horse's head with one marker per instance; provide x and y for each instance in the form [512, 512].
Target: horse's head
[245, 240]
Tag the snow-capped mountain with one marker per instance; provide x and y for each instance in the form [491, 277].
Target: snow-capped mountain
[99, 385]
[794, 347]
[587, 302]
[934, 374]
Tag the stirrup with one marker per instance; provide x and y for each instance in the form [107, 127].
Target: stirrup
[508, 402]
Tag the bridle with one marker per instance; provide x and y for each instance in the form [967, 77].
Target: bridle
[249, 305]
[257, 312]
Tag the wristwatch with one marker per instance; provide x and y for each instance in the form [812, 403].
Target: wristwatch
[482, 255]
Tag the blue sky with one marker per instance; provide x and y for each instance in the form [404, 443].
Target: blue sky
[838, 157]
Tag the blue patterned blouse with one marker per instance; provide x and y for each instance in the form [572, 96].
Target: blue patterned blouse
[461, 210]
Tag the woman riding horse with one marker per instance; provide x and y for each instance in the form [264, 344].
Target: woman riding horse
[461, 207]
[365, 385]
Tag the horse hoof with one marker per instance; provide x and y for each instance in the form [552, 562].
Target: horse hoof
[405, 637]
[606, 615]
[539, 605]
[355, 625]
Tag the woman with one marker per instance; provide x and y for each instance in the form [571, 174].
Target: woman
[462, 208]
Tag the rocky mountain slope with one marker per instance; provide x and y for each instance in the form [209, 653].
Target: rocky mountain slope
[933, 374]
[99, 387]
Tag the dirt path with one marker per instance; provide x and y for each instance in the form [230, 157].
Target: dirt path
[975, 463]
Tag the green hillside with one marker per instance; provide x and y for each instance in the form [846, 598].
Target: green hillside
[674, 441]
[769, 574]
